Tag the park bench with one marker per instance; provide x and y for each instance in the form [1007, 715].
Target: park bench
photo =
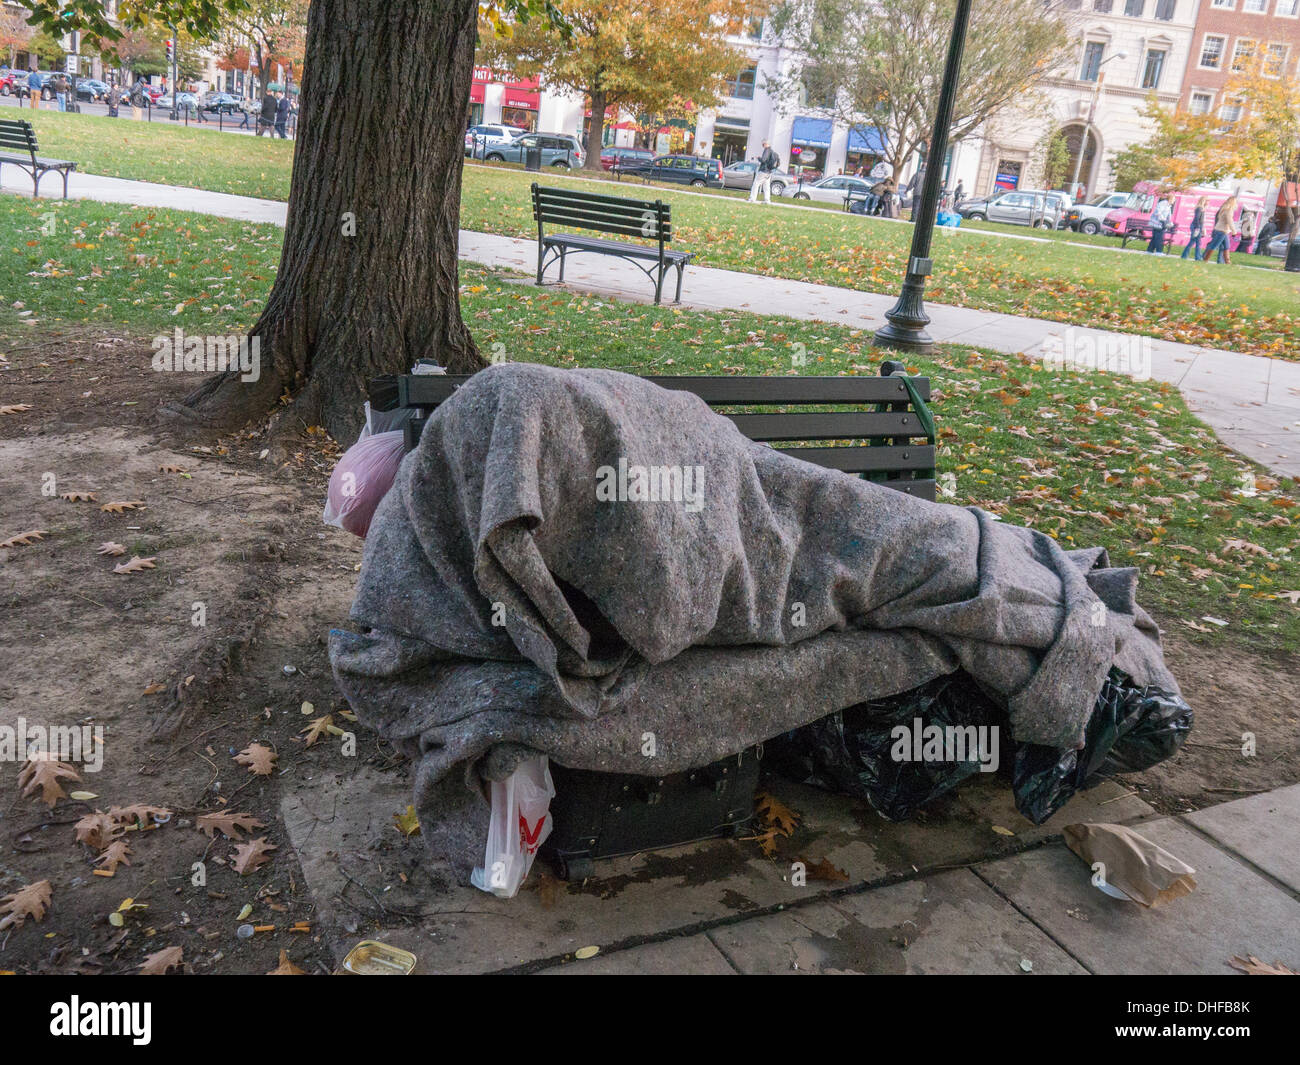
[20, 135]
[649, 219]
[889, 438]
[1140, 229]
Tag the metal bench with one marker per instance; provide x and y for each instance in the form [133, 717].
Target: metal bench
[648, 219]
[20, 135]
[889, 439]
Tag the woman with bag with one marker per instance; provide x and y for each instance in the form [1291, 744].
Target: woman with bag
[1160, 219]
[1224, 228]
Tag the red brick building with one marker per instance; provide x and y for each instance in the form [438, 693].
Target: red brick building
[1233, 35]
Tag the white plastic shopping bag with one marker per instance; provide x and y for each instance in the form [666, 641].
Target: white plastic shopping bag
[520, 823]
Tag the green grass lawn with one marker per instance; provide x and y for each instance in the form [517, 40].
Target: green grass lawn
[1088, 459]
[1238, 307]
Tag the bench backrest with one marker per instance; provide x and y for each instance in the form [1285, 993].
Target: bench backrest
[17, 134]
[890, 440]
[651, 219]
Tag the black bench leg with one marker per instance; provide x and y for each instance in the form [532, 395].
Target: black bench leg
[680, 267]
[65, 183]
[659, 282]
[541, 257]
[562, 253]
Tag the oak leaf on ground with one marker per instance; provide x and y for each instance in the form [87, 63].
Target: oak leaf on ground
[251, 856]
[259, 759]
[136, 565]
[45, 775]
[158, 963]
[115, 854]
[120, 506]
[24, 539]
[318, 728]
[97, 830]
[1254, 967]
[108, 547]
[228, 824]
[79, 497]
[286, 967]
[30, 901]
[824, 870]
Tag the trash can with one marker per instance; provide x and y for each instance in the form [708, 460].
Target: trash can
[533, 158]
[1293, 255]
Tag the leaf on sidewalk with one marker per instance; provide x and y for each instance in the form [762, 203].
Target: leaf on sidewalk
[1254, 967]
[776, 814]
[30, 901]
[824, 870]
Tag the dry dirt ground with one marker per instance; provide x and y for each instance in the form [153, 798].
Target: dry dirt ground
[240, 534]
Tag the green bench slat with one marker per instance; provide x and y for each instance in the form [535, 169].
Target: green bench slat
[553, 195]
[867, 459]
[854, 425]
[631, 228]
[615, 247]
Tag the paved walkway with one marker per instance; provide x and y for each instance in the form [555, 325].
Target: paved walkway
[1252, 403]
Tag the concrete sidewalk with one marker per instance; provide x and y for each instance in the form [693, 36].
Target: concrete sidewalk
[1252, 403]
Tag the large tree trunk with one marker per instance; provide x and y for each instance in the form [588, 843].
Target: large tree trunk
[368, 274]
[595, 130]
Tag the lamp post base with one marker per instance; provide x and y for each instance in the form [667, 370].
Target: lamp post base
[907, 320]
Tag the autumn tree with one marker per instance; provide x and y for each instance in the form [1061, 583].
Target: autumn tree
[276, 30]
[618, 53]
[14, 33]
[368, 280]
[880, 65]
[1181, 150]
[1264, 142]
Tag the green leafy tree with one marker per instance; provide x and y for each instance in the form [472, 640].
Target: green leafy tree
[1182, 150]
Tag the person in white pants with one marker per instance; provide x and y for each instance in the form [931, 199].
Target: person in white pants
[767, 163]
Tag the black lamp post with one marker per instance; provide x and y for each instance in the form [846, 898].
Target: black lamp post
[175, 62]
[907, 319]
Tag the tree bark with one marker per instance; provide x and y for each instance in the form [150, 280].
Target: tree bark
[368, 276]
[596, 129]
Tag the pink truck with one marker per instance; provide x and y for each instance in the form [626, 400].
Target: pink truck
[1134, 218]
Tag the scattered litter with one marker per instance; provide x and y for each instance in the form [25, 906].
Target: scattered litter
[1123, 861]
[583, 953]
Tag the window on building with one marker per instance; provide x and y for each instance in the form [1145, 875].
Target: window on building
[1212, 51]
[754, 29]
[741, 87]
[1243, 54]
[1155, 65]
[1275, 60]
[1231, 5]
[1103, 6]
[1134, 8]
[1230, 112]
[1092, 56]
[1288, 8]
[1166, 9]
[1256, 7]
[1201, 103]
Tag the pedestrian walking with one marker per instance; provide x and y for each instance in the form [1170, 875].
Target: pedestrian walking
[1247, 232]
[266, 119]
[1224, 228]
[1197, 232]
[959, 193]
[59, 86]
[1160, 219]
[1266, 234]
[282, 115]
[768, 162]
[247, 108]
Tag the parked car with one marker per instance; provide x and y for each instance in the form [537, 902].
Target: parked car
[834, 189]
[558, 150]
[1019, 207]
[185, 101]
[1088, 217]
[222, 103]
[678, 169]
[91, 89]
[9, 81]
[614, 157]
[484, 136]
[740, 175]
[1141, 202]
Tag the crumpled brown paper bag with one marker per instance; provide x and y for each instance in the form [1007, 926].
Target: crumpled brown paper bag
[1147, 874]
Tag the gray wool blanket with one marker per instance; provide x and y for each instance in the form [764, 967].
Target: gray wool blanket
[574, 561]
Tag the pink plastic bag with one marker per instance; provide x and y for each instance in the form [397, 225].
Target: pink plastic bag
[361, 479]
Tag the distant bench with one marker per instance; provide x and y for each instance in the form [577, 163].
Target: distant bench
[20, 135]
[649, 219]
[890, 441]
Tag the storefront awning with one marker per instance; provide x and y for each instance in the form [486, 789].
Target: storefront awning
[866, 139]
[814, 132]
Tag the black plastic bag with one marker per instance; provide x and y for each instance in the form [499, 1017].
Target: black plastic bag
[854, 751]
[1131, 728]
